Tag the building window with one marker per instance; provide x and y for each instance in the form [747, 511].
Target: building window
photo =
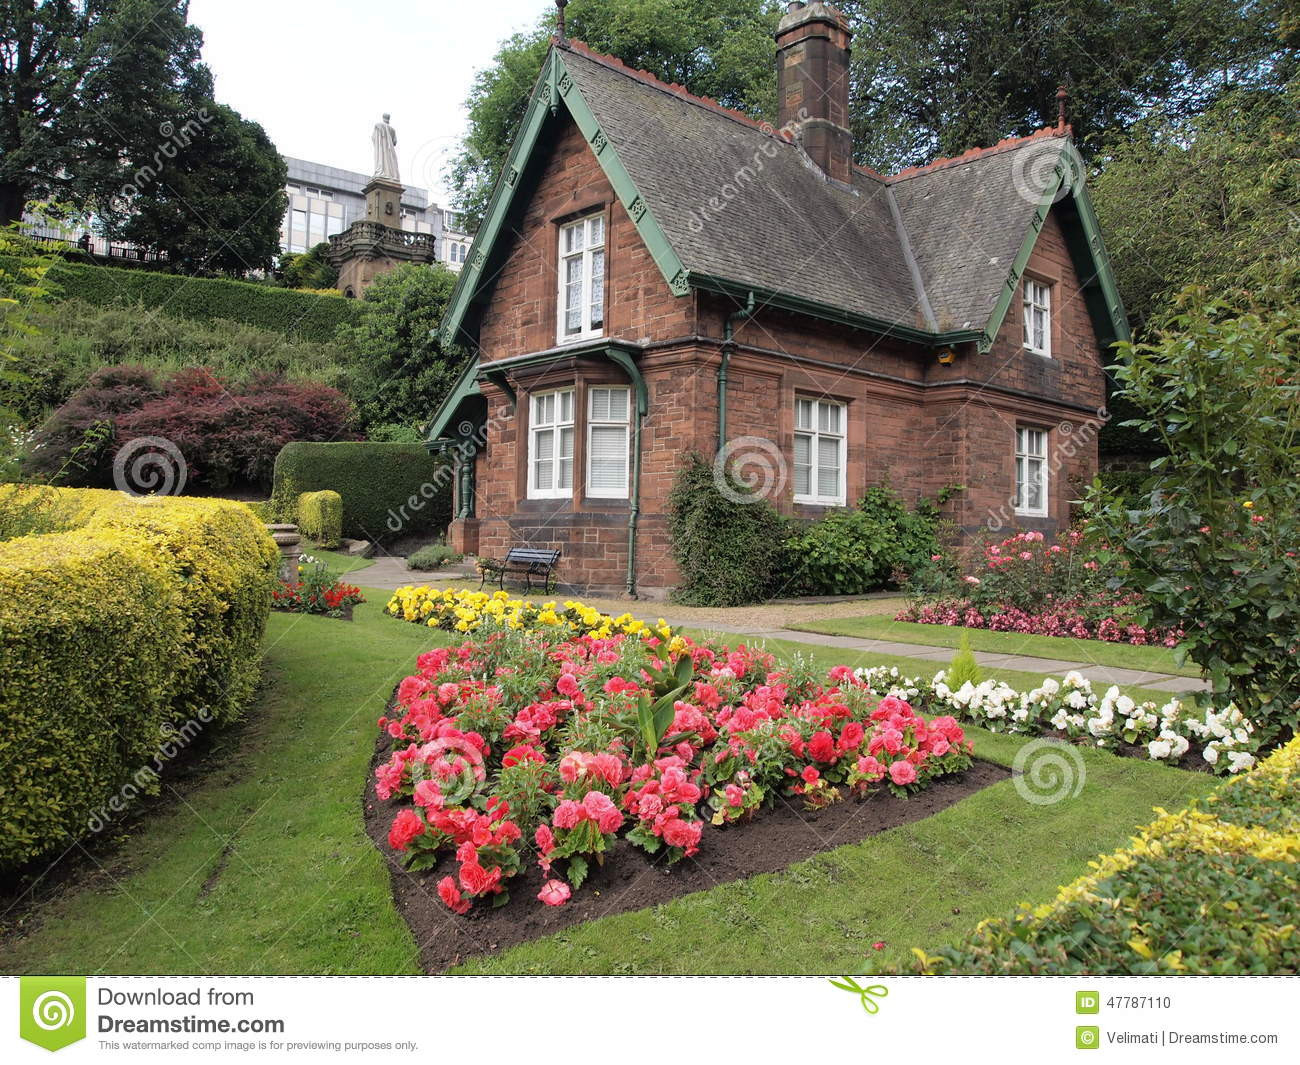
[550, 445]
[607, 441]
[1031, 471]
[819, 427]
[1038, 317]
[582, 279]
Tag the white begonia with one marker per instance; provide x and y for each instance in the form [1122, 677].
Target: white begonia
[1160, 748]
[1240, 761]
[1211, 754]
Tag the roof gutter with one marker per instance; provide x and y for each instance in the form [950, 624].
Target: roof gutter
[728, 346]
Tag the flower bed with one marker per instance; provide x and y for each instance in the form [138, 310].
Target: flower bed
[1026, 584]
[1224, 741]
[316, 591]
[1214, 888]
[462, 610]
[551, 747]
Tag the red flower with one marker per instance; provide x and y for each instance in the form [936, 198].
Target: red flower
[902, 772]
[555, 893]
[406, 826]
[448, 892]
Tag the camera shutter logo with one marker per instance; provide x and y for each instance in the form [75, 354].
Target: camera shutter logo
[52, 1010]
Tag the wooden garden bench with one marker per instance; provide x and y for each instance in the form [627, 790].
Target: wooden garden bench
[526, 562]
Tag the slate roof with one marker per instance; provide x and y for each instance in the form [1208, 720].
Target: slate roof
[737, 200]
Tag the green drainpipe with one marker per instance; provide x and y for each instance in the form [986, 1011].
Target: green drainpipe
[728, 344]
[623, 359]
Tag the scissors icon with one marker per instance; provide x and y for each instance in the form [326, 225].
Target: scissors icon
[867, 995]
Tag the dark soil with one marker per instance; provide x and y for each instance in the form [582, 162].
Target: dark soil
[630, 879]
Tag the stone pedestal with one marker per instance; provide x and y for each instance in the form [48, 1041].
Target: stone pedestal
[462, 536]
[288, 540]
[384, 201]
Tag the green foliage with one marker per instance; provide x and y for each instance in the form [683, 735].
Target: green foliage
[1232, 225]
[718, 48]
[307, 270]
[69, 340]
[655, 715]
[726, 545]
[296, 315]
[320, 516]
[212, 197]
[933, 79]
[1214, 544]
[848, 552]
[139, 625]
[388, 490]
[401, 373]
[963, 668]
[431, 556]
[88, 93]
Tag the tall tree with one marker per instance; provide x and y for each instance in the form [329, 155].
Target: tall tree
[212, 197]
[718, 48]
[85, 86]
[940, 77]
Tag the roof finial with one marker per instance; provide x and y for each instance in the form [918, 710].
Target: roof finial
[1062, 97]
[560, 5]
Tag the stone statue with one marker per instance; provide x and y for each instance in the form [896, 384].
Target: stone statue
[384, 139]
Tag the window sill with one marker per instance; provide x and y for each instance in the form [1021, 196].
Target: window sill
[565, 341]
[808, 501]
[1032, 514]
[1034, 351]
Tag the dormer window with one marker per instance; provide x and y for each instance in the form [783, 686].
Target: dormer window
[582, 279]
[1038, 317]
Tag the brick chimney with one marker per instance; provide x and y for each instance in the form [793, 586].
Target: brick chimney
[812, 78]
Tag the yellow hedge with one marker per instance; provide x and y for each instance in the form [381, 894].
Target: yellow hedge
[320, 516]
[141, 625]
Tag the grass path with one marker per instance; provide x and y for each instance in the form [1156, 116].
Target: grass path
[259, 864]
[1097, 652]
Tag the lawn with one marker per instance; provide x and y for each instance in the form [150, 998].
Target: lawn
[338, 561]
[1097, 652]
[259, 863]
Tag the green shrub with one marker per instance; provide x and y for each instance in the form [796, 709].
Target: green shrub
[1214, 889]
[432, 556]
[303, 315]
[849, 552]
[388, 490]
[963, 668]
[320, 516]
[123, 638]
[726, 544]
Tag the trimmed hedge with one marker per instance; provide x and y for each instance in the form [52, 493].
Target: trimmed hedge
[1213, 889]
[320, 516]
[388, 490]
[123, 638]
[301, 315]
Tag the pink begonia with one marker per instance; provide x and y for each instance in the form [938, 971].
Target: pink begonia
[555, 893]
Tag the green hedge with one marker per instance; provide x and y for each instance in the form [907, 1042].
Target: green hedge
[320, 516]
[301, 315]
[124, 638]
[388, 490]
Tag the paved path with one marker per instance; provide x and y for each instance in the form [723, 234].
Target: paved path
[392, 573]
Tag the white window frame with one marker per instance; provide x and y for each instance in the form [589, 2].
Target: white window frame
[586, 257]
[555, 427]
[1037, 297]
[1027, 454]
[594, 422]
[815, 436]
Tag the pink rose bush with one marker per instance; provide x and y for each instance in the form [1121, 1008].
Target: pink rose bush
[1030, 585]
[525, 747]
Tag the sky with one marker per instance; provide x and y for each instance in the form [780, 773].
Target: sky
[318, 75]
